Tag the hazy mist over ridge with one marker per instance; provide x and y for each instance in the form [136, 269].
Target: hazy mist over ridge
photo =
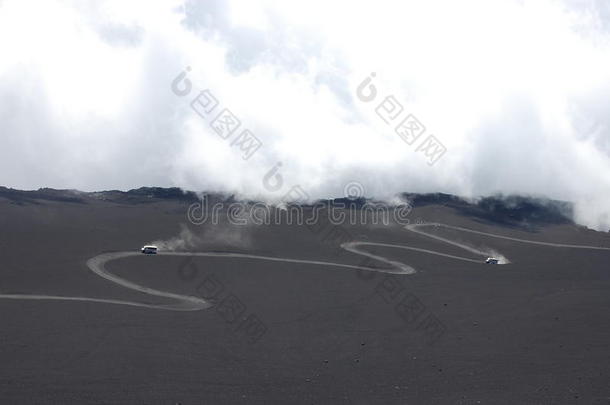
[518, 93]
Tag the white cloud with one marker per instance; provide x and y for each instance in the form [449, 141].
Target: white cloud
[517, 91]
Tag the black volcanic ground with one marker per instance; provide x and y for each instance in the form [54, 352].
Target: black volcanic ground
[536, 331]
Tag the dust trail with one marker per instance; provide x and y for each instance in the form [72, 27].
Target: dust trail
[182, 302]
[491, 252]
[479, 252]
[191, 303]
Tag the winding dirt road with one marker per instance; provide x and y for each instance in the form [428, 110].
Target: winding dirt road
[191, 303]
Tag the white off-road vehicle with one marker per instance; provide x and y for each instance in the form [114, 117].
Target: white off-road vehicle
[492, 260]
[149, 250]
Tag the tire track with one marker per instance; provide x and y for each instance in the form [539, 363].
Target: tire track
[192, 303]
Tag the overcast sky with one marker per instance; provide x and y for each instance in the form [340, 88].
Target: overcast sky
[517, 92]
